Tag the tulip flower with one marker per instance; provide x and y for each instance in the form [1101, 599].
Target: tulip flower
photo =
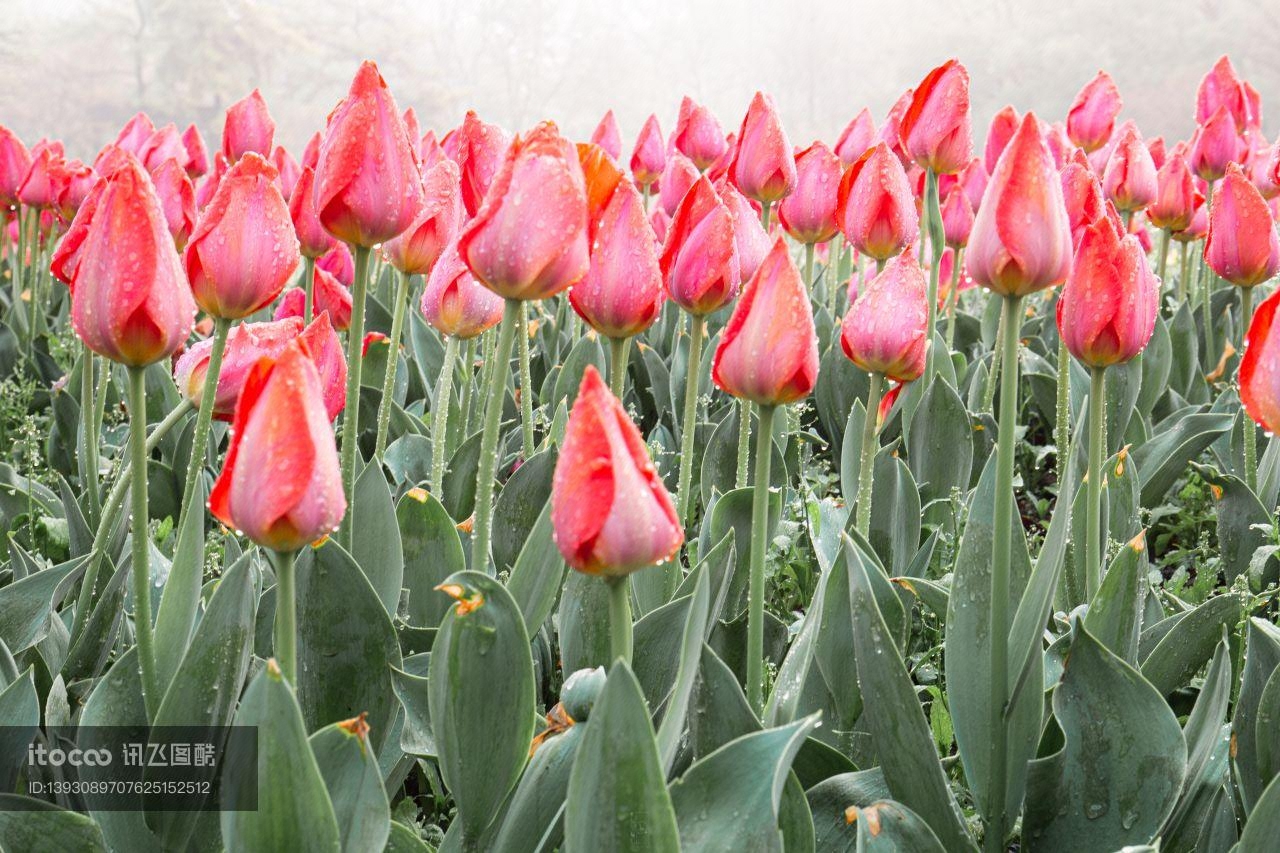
[209, 186]
[659, 222]
[1130, 178]
[607, 136]
[281, 482]
[1092, 116]
[699, 261]
[890, 129]
[884, 331]
[679, 175]
[1156, 148]
[328, 295]
[1003, 125]
[39, 188]
[430, 151]
[1242, 246]
[411, 126]
[957, 218]
[287, 169]
[973, 178]
[877, 211]
[197, 160]
[858, 136]
[809, 213]
[601, 176]
[749, 236]
[313, 240]
[1221, 89]
[15, 161]
[479, 149]
[698, 135]
[339, 263]
[1259, 378]
[1174, 203]
[74, 185]
[165, 143]
[1264, 169]
[246, 344]
[1216, 144]
[649, 157]
[248, 127]
[935, 129]
[178, 200]
[135, 133]
[763, 166]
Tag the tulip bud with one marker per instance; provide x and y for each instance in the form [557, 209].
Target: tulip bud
[1175, 195]
[163, 144]
[209, 186]
[607, 136]
[752, 241]
[858, 136]
[313, 239]
[177, 200]
[974, 179]
[454, 303]
[1107, 309]
[957, 218]
[809, 213]
[1264, 169]
[339, 263]
[876, 209]
[410, 118]
[368, 186]
[479, 149]
[1221, 89]
[1199, 226]
[1259, 378]
[430, 151]
[129, 299]
[134, 134]
[247, 128]
[600, 176]
[15, 160]
[763, 166]
[74, 185]
[287, 169]
[328, 295]
[699, 260]
[39, 185]
[680, 174]
[698, 135]
[884, 332]
[1003, 126]
[1130, 178]
[935, 130]
[1156, 148]
[197, 160]
[768, 351]
[1082, 195]
[247, 343]
[1216, 143]
[436, 225]
[1092, 116]
[621, 295]
[610, 512]
[243, 251]
[1021, 240]
[311, 153]
[890, 130]
[1242, 246]
[281, 484]
[649, 157]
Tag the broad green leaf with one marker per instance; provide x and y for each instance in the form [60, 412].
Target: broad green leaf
[584, 623]
[1262, 656]
[180, 602]
[432, 552]
[537, 805]
[1190, 643]
[676, 703]
[415, 737]
[538, 573]
[520, 504]
[351, 776]
[1263, 827]
[375, 536]
[895, 512]
[1115, 614]
[1267, 729]
[830, 799]
[459, 496]
[34, 826]
[939, 447]
[1176, 441]
[20, 711]
[889, 826]
[1239, 516]
[26, 605]
[1204, 736]
[408, 458]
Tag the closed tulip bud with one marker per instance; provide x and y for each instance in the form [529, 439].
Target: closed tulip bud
[649, 157]
[1215, 145]
[368, 187]
[946, 267]
[73, 188]
[1260, 367]
[1130, 178]
[1092, 116]
[621, 294]
[763, 167]
[247, 343]
[1242, 246]
[15, 160]
[135, 133]
[890, 130]
[876, 209]
[858, 136]
[313, 239]
[243, 251]
[129, 299]
[1264, 169]
[39, 186]
[454, 303]
[749, 236]
[281, 485]
[809, 213]
[1222, 89]
[679, 176]
[177, 200]
[1021, 240]
[1199, 226]
[1138, 228]
[164, 143]
[1003, 126]
[430, 151]
[607, 136]
[601, 176]
[248, 127]
[974, 179]
[1253, 107]
[699, 261]
[196, 161]
[311, 153]
[287, 169]
[610, 513]
[436, 225]
[768, 351]
[1082, 195]
[698, 135]
[529, 239]
[884, 331]
[720, 168]
[479, 149]
[209, 186]
[957, 218]
[327, 352]
[935, 129]
[339, 263]
[328, 295]
[1156, 148]
[1175, 195]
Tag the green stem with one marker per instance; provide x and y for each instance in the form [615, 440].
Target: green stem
[286, 628]
[308, 288]
[867, 459]
[744, 444]
[989, 392]
[204, 420]
[1093, 507]
[526, 384]
[1062, 425]
[1184, 272]
[488, 467]
[440, 417]
[1002, 547]
[1250, 431]
[1210, 344]
[759, 547]
[468, 385]
[619, 618]
[88, 405]
[141, 538]
[809, 251]
[766, 207]
[933, 225]
[1162, 255]
[835, 260]
[953, 298]
[689, 425]
[393, 358]
[355, 360]
[618, 350]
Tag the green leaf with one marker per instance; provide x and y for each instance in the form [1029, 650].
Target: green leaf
[1115, 614]
[676, 702]
[408, 458]
[584, 623]
[1267, 730]
[886, 826]
[1262, 656]
[537, 806]
[939, 447]
[459, 496]
[1177, 440]
[1189, 644]
[180, 601]
[432, 552]
[830, 799]
[895, 512]
[375, 536]
[1239, 514]
[587, 351]
[27, 605]
[20, 711]
[415, 737]
[351, 776]
[1205, 735]
[538, 573]
[1157, 366]
[519, 505]
[1263, 827]
[34, 826]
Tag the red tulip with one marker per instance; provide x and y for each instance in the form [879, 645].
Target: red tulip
[621, 294]
[39, 186]
[529, 239]
[129, 299]
[339, 263]
[1221, 89]
[858, 136]
[890, 130]
[884, 331]
[768, 351]
[1107, 309]
[1092, 116]
[313, 239]
[649, 157]
[877, 210]
[134, 134]
[454, 303]
[281, 485]
[1242, 246]
[1021, 239]
[164, 143]
[248, 127]
[809, 213]
[763, 166]
[197, 160]
[288, 170]
[1175, 195]
[436, 225]
[327, 352]
[749, 236]
[699, 261]
[610, 512]
[479, 149]
[1259, 373]
[328, 295]
[15, 160]
[957, 218]
[606, 135]
[1156, 148]
[368, 187]
[247, 343]
[1003, 125]
[935, 129]
[679, 176]
[1130, 178]
[1216, 144]
[1082, 195]
[698, 135]
[177, 200]
[243, 251]
[601, 176]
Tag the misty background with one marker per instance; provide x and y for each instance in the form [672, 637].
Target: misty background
[78, 69]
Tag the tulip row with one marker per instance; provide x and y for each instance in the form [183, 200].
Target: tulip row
[624, 466]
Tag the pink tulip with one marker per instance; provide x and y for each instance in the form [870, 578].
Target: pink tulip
[1092, 116]
[1216, 143]
[1175, 195]
[1263, 163]
[39, 186]
[699, 260]
[890, 130]
[313, 239]
[1221, 89]
[134, 134]
[479, 149]
[246, 344]
[311, 153]
[1156, 148]
[621, 294]
[163, 144]
[430, 151]
[649, 157]
[973, 178]
[877, 210]
[748, 233]
[248, 127]
[177, 200]
[1003, 125]
[935, 129]
[679, 176]
[858, 136]
[809, 213]
[288, 170]
[339, 263]
[74, 185]
[601, 176]
[15, 160]
[698, 135]
[957, 218]
[884, 331]
[1259, 376]
[1082, 195]
[763, 167]
[209, 186]
[1130, 178]
[436, 225]
[607, 136]
[197, 159]
[454, 303]
[410, 118]
[328, 295]
[1242, 246]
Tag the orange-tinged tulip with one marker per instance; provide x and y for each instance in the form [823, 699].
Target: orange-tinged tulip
[197, 160]
[607, 136]
[248, 127]
[1221, 88]
[1260, 367]
[680, 174]
[610, 512]
[858, 136]
[1107, 309]
[749, 236]
[763, 166]
[1021, 240]
[699, 260]
[1130, 178]
[1092, 116]
[649, 157]
[244, 250]
[935, 129]
[368, 187]
[1175, 201]
[177, 200]
[436, 225]
[601, 176]
[1004, 125]
[768, 351]
[957, 218]
[698, 135]
[15, 160]
[454, 303]
[129, 299]
[809, 213]
[281, 485]
[1216, 144]
[621, 295]
[1242, 246]
[884, 331]
[479, 150]
[529, 239]
[313, 239]
[876, 208]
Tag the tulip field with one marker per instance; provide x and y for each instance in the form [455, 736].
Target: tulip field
[478, 490]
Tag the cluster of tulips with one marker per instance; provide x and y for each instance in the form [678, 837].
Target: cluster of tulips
[246, 269]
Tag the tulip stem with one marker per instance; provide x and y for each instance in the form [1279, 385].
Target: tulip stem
[393, 358]
[1093, 509]
[618, 350]
[619, 618]
[936, 245]
[835, 258]
[1184, 272]
[689, 425]
[1210, 344]
[204, 419]
[766, 208]
[526, 384]
[1250, 430]
[488, 467]
[867, 459]
[286, 629]
[1162, 255]
[759, 547]
[1062, 422]
[989, 392]
[468, 384]
[89, 435]
[809, 251]
[308, 289]
[744, 444]
[355, 360]
[953, 298]
[141, 539]
[440, 417]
